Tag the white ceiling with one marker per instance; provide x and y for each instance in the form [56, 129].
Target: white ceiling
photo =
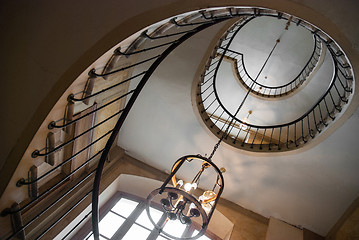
[311, 187]
[258, 37]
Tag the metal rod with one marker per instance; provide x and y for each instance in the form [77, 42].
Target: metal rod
[206, 98]
[6, 212]
[64, 215]
[53, 203]
[53, 124]
[214, 111]
[207, 80]
[64, 162]
[255, 135]
[302, 124]
[78, 224]
[321, 115]
[37, 153]
[260, 146]
[207, 88]
[209, 105]
[287, 135]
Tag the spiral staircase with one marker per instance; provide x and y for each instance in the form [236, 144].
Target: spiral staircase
[62, 175]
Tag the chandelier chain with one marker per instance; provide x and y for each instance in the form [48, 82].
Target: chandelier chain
[216, 147]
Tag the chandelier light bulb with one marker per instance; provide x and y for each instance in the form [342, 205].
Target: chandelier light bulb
[179, 183]
[207, 195]
[187, 187]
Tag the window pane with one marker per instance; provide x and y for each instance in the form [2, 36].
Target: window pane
[124, 207]
[175, 228]
[136, 232]
[145, 221]
[109, 224]
[204, 237]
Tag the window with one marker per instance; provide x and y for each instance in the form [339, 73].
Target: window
[125, 217]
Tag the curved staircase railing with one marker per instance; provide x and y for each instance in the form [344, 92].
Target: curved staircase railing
[77, 146]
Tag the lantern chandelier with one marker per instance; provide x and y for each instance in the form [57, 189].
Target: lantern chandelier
[179, 199]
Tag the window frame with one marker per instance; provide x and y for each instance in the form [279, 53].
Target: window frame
[131, 220]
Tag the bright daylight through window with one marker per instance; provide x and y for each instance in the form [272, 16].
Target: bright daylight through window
[128, 220]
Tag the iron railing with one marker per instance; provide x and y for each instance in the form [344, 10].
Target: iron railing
[130, 68]
[279, 137]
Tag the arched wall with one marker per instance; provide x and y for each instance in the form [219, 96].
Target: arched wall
[46, 45]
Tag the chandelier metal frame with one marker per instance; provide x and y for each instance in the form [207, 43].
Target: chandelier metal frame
[187, 205]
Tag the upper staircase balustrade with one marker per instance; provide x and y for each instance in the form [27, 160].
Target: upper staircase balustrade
[277, 137]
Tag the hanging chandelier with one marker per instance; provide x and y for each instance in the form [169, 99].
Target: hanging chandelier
[184, 201]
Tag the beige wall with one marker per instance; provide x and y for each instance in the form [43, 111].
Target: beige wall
[347, 226]
[350, 229]
[278, 230]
